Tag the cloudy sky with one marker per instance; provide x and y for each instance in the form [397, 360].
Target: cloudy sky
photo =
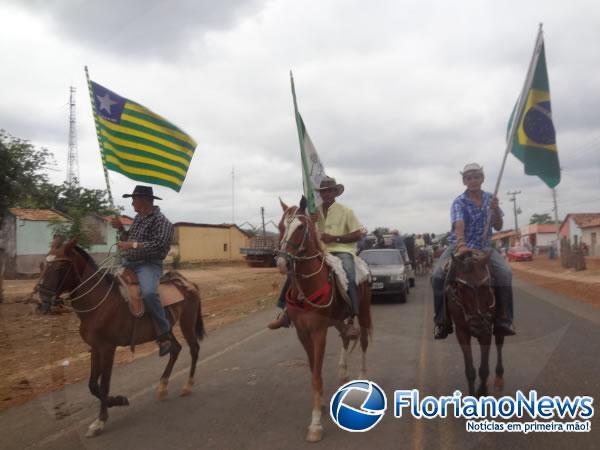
[396, 95]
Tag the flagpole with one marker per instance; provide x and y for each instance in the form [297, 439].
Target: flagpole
[110, 197]
[516, 116]
[306, 182]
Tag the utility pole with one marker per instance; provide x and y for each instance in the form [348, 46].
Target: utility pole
[556, 222]
[513, 199]
[262, 213]
[233, 194]
[72, 158]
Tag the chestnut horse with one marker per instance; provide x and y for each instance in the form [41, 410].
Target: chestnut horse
[106, 321]
[303, 258]
[472, 307]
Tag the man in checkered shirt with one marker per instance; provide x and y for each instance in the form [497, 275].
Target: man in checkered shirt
[144, 247]
[469, 214]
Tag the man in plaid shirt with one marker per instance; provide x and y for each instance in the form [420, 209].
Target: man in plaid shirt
[144, 248]
[469, 214]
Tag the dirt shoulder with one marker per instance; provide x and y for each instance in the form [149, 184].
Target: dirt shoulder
[39, 354]
[583, 286]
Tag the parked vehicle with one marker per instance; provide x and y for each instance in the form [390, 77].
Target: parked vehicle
[261, 253]
[519, 254]
[389, 272]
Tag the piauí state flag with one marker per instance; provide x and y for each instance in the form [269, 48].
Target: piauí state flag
[534, 140]
[313, 171]
[138, 143]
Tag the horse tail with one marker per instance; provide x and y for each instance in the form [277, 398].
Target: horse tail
[364, 308]
[195, 296]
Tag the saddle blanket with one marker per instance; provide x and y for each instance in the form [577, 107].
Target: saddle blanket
[361, 269]
[171, 289]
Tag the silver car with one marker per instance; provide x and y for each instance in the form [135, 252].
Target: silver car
[389, 272]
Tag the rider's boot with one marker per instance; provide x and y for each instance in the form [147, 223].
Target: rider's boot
[283, 321]
[164, 344]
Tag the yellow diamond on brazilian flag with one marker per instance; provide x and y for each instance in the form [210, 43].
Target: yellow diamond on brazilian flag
[534, 142]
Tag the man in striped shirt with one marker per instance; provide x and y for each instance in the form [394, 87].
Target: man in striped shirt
[144, 247]
[469, 214]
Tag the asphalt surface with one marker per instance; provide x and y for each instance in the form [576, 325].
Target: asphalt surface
[253, 387]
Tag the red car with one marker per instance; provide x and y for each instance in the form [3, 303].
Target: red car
[519, 254]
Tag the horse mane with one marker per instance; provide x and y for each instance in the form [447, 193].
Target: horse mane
[86, 256]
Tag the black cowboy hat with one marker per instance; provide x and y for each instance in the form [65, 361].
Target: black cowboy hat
[330, 183]
[142, 191]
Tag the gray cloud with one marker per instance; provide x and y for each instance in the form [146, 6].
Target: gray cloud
[141, 29]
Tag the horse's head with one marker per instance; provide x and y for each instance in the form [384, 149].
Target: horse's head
[470, 288]
[297, 235]
[61, 270]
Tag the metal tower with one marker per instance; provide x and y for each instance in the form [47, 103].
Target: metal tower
[72, 158]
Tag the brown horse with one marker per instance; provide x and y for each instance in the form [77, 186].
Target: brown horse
[302, 257]
[106, 321]
[472, 307]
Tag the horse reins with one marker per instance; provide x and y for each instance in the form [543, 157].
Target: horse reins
[457, 300]
[294, 258]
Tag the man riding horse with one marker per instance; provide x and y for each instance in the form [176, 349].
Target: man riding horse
[144, 247]
[469, 214]
[340, 231]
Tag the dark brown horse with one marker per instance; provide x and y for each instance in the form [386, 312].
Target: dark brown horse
[472, 307]
[107, 323]
[322, 306]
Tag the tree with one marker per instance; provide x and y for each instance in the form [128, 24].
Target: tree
[21, 172]
[540, 219]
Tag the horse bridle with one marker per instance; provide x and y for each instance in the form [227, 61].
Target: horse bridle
[300, 249]
[458, 301]
[71, 266]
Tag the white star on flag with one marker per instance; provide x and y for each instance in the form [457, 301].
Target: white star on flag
[105, 102]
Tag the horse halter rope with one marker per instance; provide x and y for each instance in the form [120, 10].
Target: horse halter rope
[300, 249]
[71, 266]
[452, 295]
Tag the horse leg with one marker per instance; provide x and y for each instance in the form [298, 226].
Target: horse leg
[189, 334]
[499, 380]
[343, 362]
[163, 389]
[464, 339]
[484, 367]
[315, 429]
[364, 343]
[102, 362]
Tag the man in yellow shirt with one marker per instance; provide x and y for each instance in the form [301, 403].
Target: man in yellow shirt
[340, 231]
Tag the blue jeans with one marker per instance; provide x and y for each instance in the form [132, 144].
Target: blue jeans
[348, 263]
[148, 273]
[502, 278]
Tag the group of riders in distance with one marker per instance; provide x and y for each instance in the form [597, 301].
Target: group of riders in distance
[326, 285]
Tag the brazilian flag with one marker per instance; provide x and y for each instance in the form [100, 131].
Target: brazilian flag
[534, 140]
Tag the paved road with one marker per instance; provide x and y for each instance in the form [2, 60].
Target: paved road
[252, 387]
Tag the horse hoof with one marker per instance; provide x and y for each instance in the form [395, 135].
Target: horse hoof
[315, 434]
[163, 391]
[498, 385]
[185, 392]
[95, 428]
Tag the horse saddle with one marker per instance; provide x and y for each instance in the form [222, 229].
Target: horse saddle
[171, 289]
[360, 268]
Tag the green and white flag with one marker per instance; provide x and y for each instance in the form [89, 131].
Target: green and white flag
[312, 168]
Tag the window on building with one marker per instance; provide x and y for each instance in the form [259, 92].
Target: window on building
[224, 247]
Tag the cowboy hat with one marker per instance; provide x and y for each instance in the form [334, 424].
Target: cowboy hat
[472, 167]
[142, 191]
[330, 183]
